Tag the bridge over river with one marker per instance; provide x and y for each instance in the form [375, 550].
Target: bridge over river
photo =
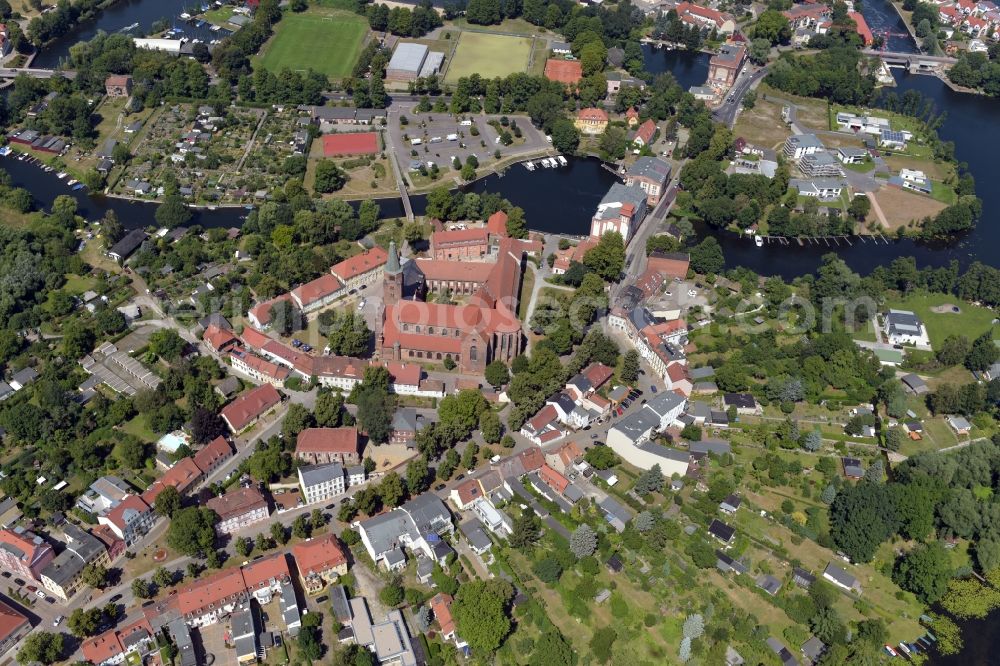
[34, 72]
[915, 62]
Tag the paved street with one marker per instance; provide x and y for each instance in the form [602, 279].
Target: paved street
[730, 108]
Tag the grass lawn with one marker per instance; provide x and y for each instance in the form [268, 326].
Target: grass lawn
[864, 167]
[762, 125]
[326, 40]
[77, 284]
[489, 55]
[219, 16]
[138, 427]
[943, 193]
[526, 286]
[971, 322]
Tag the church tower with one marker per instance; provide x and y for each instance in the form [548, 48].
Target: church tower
[393, 280]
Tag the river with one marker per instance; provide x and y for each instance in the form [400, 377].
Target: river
[562, 200]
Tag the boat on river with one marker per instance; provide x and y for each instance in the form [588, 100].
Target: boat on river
[758, 240]
[529, 165]
[562, 160]
[61, 175]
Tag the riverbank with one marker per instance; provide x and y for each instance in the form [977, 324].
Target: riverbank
[906, 18]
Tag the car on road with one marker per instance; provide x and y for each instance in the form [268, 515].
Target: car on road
[652, 389]
[115, 598]
[594, 436]
[19, 581]
[40, 594]
[57, 621]
[459, 477]
[439, 487]
[32, 588]
[5, 574]
[330, 506]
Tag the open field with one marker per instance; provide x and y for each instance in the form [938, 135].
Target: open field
[762, 125]
[901, 206]
[971, 322]
[810, 112]
[489, 55]
[325, 40]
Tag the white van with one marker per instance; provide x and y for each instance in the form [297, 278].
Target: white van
[466, 123]
[453, 137]
[435, 139]
[416, 142]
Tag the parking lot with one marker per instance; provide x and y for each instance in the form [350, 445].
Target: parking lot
[427, 135]
[214, 645]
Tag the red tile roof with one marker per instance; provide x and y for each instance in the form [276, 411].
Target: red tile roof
[468, 491]
[597, 374]
[497, 223]
[405, 374]
[441, 607]
[353, 143]
[460, 237]
[563, 71]
[545, 416]
[129, 503]
[554, 479]
[861, 25]
[672, 264]
[316, 290]
[645, 132]
[253, 338]
[259, 574]
[218, 338]
[327, 440]
[262, 311]
[677, 372]
[101, 648]
[263, 366]
[531, 459]
[236, 503]
[242, 411]
[211, 590]
[360, 264]
[593, 115]
[117, 80]
[181, 476]
[318, 554]
[452, 271]
[211, 453]
[10, 620]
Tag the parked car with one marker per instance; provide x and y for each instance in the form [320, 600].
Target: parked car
[57, 621]
[652, 389]
[439, 487]
[115, 598]
[459, 477]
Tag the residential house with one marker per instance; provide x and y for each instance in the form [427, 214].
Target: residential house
[62, 575]
[903, 327]
[130, 519]
[852, 468]
[651, 175]
[238, 509]
[243, 412]
[615, 513]
[802, 578]
[476, 536]
[630, 436]
[24, 553]
[724, 67]
[826, 189]
[321, 561]
[915, 384]
[721, 531]
[841, 578]
[116, 646]
[644, 135]
[798, 146]
[959, 424]
[318, 446]
[388, 640]
[564, 457]
[784, 655]
[14, 626]
[416, 526]
[705, 18]
[118, 85]
[103, 494]
[440, 605]
[731, 504]
[211, 457]
[744, 403]
[361, 269]
[321, 483]
[622, 209]
[591, 120]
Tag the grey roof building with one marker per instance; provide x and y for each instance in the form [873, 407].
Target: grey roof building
[124, 248]
[409, 525]
[769, 584]
[726, 564]
[615, 513]
[802, 578]
[652, 168]
[813, 649]
[721, 531]
[618, 194]
[701, 373]
[915, 384]
[474, 533]
[182, 639]
[841, 578]
[714, 446]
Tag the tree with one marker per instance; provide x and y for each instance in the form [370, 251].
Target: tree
[859, 208]
[551, 649]
[813, 440]
[645, 521]
[630, 366]
[583, 541]
[168, 502]
[141, 588]
[565, 136]
[650, 481]
[392, 594]
[173, 212]
[691, 433]
[329, 177]
[496, 374]
[329, 411]
[694, 626]
[861, 518]
[167, 344]
[983, 353]
[601, 643]
[376, 405]
[601, 457]
[949, 636]
[527, 530]
[162, 578]
[829, 494]
[297, 419]
[418, 477]
[83, 623]
[244, 545]
[607, 258]
[490, 426]
[548, 570]
[480, 613]
[206, 425]
[279, 533]
[42, 647]
[94, 575]
[391, 490]
[707, 257]
[925, 571]
[285, 317]
[953, 350]
[968, 598]
[300, 527]
[192, 530]
[773, 26]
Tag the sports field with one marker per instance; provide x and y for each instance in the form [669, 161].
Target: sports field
[326, 40]
[488, 55]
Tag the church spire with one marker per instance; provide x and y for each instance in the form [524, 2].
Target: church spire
[392, 265]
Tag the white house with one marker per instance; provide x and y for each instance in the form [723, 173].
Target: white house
[903, 327]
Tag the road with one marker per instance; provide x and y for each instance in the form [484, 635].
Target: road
[730, 108]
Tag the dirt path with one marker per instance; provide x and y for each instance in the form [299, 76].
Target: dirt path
[878, 210]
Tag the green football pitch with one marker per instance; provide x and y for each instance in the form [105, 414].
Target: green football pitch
[327, 41]
[488, 55]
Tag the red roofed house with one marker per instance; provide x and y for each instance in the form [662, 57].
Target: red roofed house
[673, 265]
[545, 421]
[460, 244]
[210, 457]
[678, 379]
[632, 117]
[317, 293]
[254, 339]
[591, 120]
[118, 85]
[13, 627]
[724, 67]
[130, 520]
[862, 27]
[266, 576]
[553, 479]
[181, 476]
[260, 314]
[645, 134]
[259, 369]
[219, 339]
[466, 493]
[597, 374]
[562, 460]
[405, 377]
[364, 268]
[239, 509]
[319, 446]
[205, 600]
[659, 344]
[949, 15]
[320, 560]
[575, 253]
[705, 18]
[24, 553]
[112, 646]
[564, 71]
[244, 411]
[350, 144]
[440, 605]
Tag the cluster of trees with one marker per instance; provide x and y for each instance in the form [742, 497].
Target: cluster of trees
[232, 57]
[347, 333]
[444, 204]
[403, 21]
[843, 31]
[60, 20]
[285, 87]
[953, 220]
[669, 27]
[976, 70]
[834, 74]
